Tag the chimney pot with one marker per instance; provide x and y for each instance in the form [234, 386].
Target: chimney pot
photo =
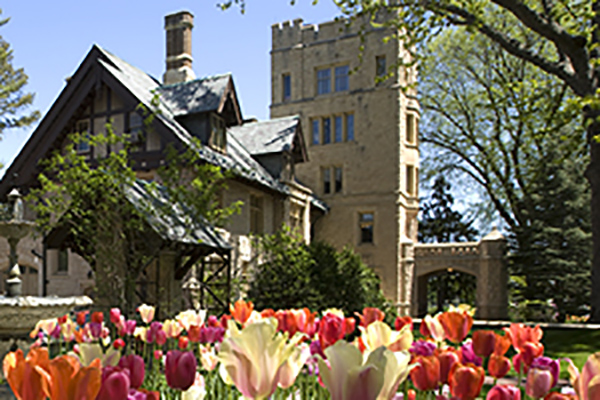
[178, 27]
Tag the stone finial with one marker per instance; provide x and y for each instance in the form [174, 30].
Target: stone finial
[14, 285]
[15, 197]
[494, 235]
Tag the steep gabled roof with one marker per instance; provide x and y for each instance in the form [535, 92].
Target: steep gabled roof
[200, 95]
[271, 136]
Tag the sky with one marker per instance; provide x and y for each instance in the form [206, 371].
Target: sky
[49, 40]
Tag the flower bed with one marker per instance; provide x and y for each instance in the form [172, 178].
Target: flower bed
[285, 354]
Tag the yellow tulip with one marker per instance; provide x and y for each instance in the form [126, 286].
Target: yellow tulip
[191, 318]
[258, 358]
[379, 334]
[396, 371]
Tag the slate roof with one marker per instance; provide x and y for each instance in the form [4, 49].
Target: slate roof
[264, 137]
[169, 219]
[200, 95]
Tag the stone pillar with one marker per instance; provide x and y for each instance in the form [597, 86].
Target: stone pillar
[406, 276]
[492, 281]
[170, 294]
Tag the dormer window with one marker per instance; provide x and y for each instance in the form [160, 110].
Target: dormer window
[218, 138]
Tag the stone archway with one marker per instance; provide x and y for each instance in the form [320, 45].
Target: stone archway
[449, 285]
[484, 259]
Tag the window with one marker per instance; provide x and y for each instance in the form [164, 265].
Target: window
[63, 262]
[410, 180]
[296, 216]
[338, 179]
[218, 139]
[366, 224]
[326, 130]
[323, 81]
[349, 127]
[256, 214]
[287, 87]
[332, 179]
[315, 132]
[82, 128]
[334, 129]
[380, 67]
[341, 78]
[411, 128]
[326, 180]
[339, 129]
[136, 132]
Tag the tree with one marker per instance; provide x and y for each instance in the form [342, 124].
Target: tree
[439, 223]
[560, 38]
[294, 275]
[13, 100]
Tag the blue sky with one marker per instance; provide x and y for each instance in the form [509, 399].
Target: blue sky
[50, 38]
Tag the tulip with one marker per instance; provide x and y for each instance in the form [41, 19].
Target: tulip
[531, 351]
[88, 352]
[586, 384]
[561, 396]
[396, 371]
[539, 383]
[172, 328]
[191, 318]
[403, 321]
[293, 321]
[208, 358]
[331, 329]
[370, 315]
[467, 355]
[63, 378]
[253, 359]
[518, 363]
[456, 325]
[520, 334]
[432, 327]
[115, 384]
[183, 342]
[423, 348]
[81, 317]
[425, 374]
[46, 325]
[118, 344]
[194, 334]
[128, 328]
[498, 366]
[146, 313]
[484, 343]
[136, 367]
[197, 391]
[447, 358]
[504, 392]
[502, 345]
[466, 381]
[241, 311]
[63, 319]
[22, 375]
[67, 330]
[291, 367]
[347, 377]
[180, 369]
[97, 317]
[379, 334]
[115, 316]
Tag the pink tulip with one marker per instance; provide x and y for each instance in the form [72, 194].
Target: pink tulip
[180, 369]
[115, 316]
[586, 384]
[504, 392]
[542, 376]
[115, 384]
[135, 365]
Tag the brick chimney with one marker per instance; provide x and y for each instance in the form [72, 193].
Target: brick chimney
[179, 48]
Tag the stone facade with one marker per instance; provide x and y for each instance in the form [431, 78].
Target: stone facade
[374, 152]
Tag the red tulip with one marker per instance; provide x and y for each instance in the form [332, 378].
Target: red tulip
[518, 363]
[183, 342]
[137, 369]
[456, 325]
[158, 354]
[180, 369]
[194, 334]
[447, 360]
[115, 384]
[531, 351]
[63, 319]
[411, 395]
[484, 343]
[331, 329]
[498, 366]
[466, 381]
[402, 321]
[504, 392]
[115, 316]
[370, 315]
[81, 317]
[118, 344]
[426, 373]
[97, 317]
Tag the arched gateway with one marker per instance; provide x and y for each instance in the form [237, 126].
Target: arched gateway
[484, 259]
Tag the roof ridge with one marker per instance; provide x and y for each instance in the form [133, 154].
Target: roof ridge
[204, 78]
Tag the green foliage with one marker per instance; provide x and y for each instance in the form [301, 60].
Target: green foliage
[317, 276]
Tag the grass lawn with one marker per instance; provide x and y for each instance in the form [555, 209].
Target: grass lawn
[576, 344]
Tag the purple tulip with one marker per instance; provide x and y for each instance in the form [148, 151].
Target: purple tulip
[115, 384]
[468, 355]
[136, 367]
[180, 369]
[422, 348]
[211, 335]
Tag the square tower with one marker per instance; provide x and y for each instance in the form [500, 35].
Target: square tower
[360, 126]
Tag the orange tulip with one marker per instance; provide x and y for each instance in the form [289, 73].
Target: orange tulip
[502, 345]
[426, 373]
[498, 366]
[240, 311]
[65, 379]
[466, 381]
[456, 325]
[484, 343]
[520, 334]
[23, 376]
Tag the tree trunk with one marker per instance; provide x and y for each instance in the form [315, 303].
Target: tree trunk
[593, 176]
